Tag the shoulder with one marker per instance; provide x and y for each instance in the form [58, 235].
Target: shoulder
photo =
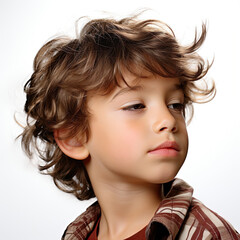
[83, 225]
[203, 223]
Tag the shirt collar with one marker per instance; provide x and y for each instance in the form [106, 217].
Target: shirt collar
[172, 211]
[165, 224]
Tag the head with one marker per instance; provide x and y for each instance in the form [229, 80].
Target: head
[70, 74]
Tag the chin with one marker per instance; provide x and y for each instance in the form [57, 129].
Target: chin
[165, 177]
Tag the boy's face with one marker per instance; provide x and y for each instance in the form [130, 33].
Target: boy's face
[137, 135]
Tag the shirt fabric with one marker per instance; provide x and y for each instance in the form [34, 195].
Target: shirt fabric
[179, 216]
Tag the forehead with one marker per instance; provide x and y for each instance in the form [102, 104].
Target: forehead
[136, 79]
[132, 80]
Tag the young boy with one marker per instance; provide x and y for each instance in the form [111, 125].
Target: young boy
[107, 114]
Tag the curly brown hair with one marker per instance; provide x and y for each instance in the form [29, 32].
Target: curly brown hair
[65, 70]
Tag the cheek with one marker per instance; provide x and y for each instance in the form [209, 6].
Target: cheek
[184, 136]
[115, 139]
[126, 139]
[128, 132]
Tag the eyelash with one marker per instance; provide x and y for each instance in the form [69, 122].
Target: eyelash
[179, 107]
[134, 107]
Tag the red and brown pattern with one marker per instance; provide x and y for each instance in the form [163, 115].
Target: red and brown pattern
[179, 216]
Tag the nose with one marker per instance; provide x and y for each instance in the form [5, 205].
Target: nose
[164, 121]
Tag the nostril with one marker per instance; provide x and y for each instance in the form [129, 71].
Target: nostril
[163, 128]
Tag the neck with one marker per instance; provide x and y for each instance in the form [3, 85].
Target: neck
[125, 208]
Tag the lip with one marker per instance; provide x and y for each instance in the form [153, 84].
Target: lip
[168, 148]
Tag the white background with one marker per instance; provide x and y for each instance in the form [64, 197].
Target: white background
[31, 207]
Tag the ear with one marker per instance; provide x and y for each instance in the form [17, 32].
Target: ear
[72, 147]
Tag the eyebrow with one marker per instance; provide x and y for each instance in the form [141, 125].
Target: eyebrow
[178, 87]
[175, 87]
[126, 90]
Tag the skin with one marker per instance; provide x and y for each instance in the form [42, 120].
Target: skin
[125, 174]
[125, 127]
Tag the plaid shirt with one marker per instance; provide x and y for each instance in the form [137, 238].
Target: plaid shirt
[180, 216]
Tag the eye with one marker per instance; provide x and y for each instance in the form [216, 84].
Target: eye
[134, 107]
[179, 107]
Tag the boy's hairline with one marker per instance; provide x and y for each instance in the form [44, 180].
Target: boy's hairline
[175, 87]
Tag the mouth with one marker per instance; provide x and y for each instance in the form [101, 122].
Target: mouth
[167, 149]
